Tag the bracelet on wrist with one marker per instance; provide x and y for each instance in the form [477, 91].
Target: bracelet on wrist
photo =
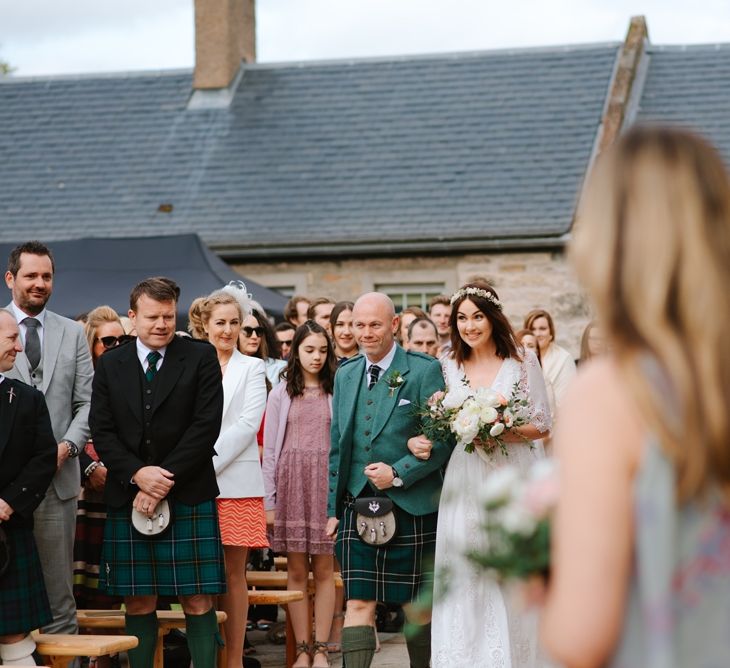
[91, 468]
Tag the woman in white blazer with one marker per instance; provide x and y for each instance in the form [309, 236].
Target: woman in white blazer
[238, 470]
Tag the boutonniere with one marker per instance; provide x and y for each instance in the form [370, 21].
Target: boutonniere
[394, 380]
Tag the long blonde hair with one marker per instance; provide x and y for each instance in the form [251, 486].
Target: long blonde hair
[652, 246]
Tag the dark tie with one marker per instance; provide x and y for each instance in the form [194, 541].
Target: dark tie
[152, 365]
[32, 342]
[374, 373]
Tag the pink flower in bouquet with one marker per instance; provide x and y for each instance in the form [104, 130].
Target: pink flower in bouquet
[541, 495]
[502, 399]
[436, 397]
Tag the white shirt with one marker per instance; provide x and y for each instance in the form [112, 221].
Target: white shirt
[22, 315]
[143, 351]
[384, 364]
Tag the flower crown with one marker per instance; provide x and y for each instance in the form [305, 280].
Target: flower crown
[476, 292]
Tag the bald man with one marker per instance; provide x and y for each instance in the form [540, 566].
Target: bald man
[373, 416]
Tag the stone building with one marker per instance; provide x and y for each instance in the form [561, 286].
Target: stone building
[408, 175]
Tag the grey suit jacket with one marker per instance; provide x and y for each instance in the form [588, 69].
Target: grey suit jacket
[67, 375]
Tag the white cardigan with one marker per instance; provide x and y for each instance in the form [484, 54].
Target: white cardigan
[236, 462]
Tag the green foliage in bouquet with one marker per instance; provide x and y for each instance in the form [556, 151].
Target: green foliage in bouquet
[513, 556]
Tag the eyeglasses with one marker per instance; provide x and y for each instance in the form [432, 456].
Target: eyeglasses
[250, 331]
[114, 341]
[286, 342]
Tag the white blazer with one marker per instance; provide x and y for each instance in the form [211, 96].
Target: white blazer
[236, 462]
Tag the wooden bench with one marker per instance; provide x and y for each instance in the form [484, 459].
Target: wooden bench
[278, 580]
[168, 619]
[58, 649]
[175, 619]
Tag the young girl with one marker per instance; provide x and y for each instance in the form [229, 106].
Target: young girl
[296, 458]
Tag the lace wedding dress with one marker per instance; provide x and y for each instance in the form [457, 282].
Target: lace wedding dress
[474, 622]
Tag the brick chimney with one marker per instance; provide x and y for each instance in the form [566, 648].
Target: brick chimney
[225, 35]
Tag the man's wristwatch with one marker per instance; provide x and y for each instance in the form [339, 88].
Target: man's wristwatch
[397, 481]
[73, 450]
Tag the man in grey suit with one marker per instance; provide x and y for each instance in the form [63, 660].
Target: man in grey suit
[56, 360]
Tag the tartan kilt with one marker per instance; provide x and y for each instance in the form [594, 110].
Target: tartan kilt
[187, 559]
[394, 573]
[23, 600]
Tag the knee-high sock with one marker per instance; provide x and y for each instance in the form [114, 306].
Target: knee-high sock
[145, 628]
[18, 653]
[418, 642]
[203, 638]
[358, 646]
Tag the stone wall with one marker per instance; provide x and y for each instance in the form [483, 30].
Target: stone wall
[524, 281]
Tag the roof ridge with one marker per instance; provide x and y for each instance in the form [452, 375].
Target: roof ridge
[88, 76]
[442, 55]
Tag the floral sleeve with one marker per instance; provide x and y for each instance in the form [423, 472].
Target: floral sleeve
[532, 385]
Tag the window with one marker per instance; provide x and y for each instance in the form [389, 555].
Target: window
[417, 294]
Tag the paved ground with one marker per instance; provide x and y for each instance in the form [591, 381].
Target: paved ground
[392, 654]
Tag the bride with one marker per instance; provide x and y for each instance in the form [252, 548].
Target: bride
[474, 623]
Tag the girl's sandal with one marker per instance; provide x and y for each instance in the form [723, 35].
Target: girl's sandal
[320, 648]
[302, 648]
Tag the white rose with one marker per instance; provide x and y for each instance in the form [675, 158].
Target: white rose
[500, 485]
[515, 518]
[497, 429]
[455, 397]
[471, 407]
[488, 397]
[465, 426]
[488, 415]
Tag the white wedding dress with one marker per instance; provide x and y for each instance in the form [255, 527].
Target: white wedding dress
[475, 624]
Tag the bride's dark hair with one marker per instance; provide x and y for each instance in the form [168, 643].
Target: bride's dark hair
[502, 332]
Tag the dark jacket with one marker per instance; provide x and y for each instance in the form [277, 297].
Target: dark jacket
[28, 450]
[177, 431]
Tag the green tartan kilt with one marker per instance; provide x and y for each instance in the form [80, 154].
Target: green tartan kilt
[395, 573]
[23, 599]
[187, 559]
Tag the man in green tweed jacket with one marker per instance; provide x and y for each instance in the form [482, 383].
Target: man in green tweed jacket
[373, 416]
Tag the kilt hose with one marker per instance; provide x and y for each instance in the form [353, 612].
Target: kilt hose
[187, 559]
[394, 573]
[23, 600]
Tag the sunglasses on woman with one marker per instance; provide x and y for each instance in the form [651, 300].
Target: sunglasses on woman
[250, 331]
[114, 341]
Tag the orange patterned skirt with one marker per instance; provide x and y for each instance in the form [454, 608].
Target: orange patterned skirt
[242, 522]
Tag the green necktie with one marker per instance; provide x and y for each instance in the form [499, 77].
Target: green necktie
[152, 365]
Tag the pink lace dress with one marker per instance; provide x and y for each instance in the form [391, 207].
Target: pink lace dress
[301, 477]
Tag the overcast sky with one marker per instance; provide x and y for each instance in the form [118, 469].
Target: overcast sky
[73, 36]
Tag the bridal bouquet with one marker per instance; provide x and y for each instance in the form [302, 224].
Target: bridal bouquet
[476, 418]
[518, 510]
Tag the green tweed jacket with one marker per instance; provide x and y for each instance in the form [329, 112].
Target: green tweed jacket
[394, 423]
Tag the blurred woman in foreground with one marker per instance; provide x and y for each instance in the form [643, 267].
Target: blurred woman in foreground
[641, 549]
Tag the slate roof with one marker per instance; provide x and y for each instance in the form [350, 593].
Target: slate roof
[690, 86]
[310, 158]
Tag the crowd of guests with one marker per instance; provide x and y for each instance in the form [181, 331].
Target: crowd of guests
[271, 473]
[141, 462]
